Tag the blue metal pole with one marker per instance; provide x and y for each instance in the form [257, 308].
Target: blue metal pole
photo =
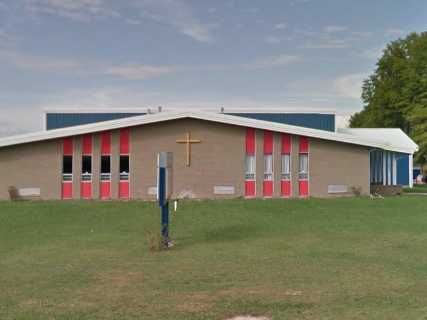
[165, 223]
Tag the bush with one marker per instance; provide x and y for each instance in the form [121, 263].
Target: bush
[154, 240]
[356, 190]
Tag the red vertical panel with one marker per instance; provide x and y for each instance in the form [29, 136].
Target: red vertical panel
[286, 143]
[124, 141]
[67, 190]
[250, 141]
[303, 145]
[106, 143]
[286, 188]
[303, 184]
[250, 188]
[87, 144]
[86, 189]
[68, 147]
[268, 188]
[105, 190]
[268, 142]
[303, 188]
[124, 190]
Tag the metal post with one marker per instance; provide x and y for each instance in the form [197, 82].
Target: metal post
[165, 223]
[164, 187]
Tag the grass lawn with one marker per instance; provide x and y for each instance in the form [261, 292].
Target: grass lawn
[417, 188]
[310, 259]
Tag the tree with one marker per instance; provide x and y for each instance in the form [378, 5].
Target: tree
[395, 95]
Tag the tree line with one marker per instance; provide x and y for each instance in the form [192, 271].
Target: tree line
[395, 95]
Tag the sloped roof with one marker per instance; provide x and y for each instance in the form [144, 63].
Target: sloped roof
[395, 135]
[403, 144]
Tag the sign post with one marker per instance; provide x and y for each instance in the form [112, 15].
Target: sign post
[164, 192]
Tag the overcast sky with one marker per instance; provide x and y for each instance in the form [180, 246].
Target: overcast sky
[178, 53]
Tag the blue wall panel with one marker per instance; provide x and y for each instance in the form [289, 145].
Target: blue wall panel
[64, 120]
[308, 120]
[402, 164]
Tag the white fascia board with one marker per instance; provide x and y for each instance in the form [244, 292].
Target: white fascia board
[284, 128]
[208, 116]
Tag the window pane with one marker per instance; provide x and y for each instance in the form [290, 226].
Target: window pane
[286, 164]
[87, 164]
[250, 168]
[268, 164]
[250, 164]
[105, 164]
[67, 165]
[303, 166]
[124, 164]
[286, 167]
[303, 163]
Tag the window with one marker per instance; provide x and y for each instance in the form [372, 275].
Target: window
[105, 168]
[250, 167]
[303, 166]
[86, 168]
[286, 167]
[124, 168]
[268, 167]
[67, 168]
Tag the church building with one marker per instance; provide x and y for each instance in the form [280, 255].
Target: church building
[227, 153]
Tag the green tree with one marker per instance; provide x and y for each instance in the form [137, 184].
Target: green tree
[395, 95]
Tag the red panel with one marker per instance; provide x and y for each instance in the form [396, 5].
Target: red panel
[124, 190]
[286, 143]
[268, 142]
[303, 145]
[86, 190]
[87, 144]
[105, 190]
[67, 190]
[286, 188]
[250, 141]
[68, 146]
[124, 141]
[303, 188]
[268, 188]
[106, 143]
[250, 188]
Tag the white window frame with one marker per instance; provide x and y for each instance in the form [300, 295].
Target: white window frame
[250, 175]
[286, 176]
[86, 176]
[124, 173]
[105, 177]
[303, 175]
[67, 177]
[268, 174]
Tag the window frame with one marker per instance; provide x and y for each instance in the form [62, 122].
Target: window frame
[123, 175]
[268, 164]
[250, 175]
[105, 176]
[303, 175]
[87, 176]
[67, 176]
[286, 175]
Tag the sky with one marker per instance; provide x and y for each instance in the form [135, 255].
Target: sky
[295, 54]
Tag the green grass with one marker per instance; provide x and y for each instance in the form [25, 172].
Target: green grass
[418, 188]
[310, 259]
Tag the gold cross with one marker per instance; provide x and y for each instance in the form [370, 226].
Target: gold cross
[188, 142]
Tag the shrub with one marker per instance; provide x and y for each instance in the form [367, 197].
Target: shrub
[154, 240]
[356, 190]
